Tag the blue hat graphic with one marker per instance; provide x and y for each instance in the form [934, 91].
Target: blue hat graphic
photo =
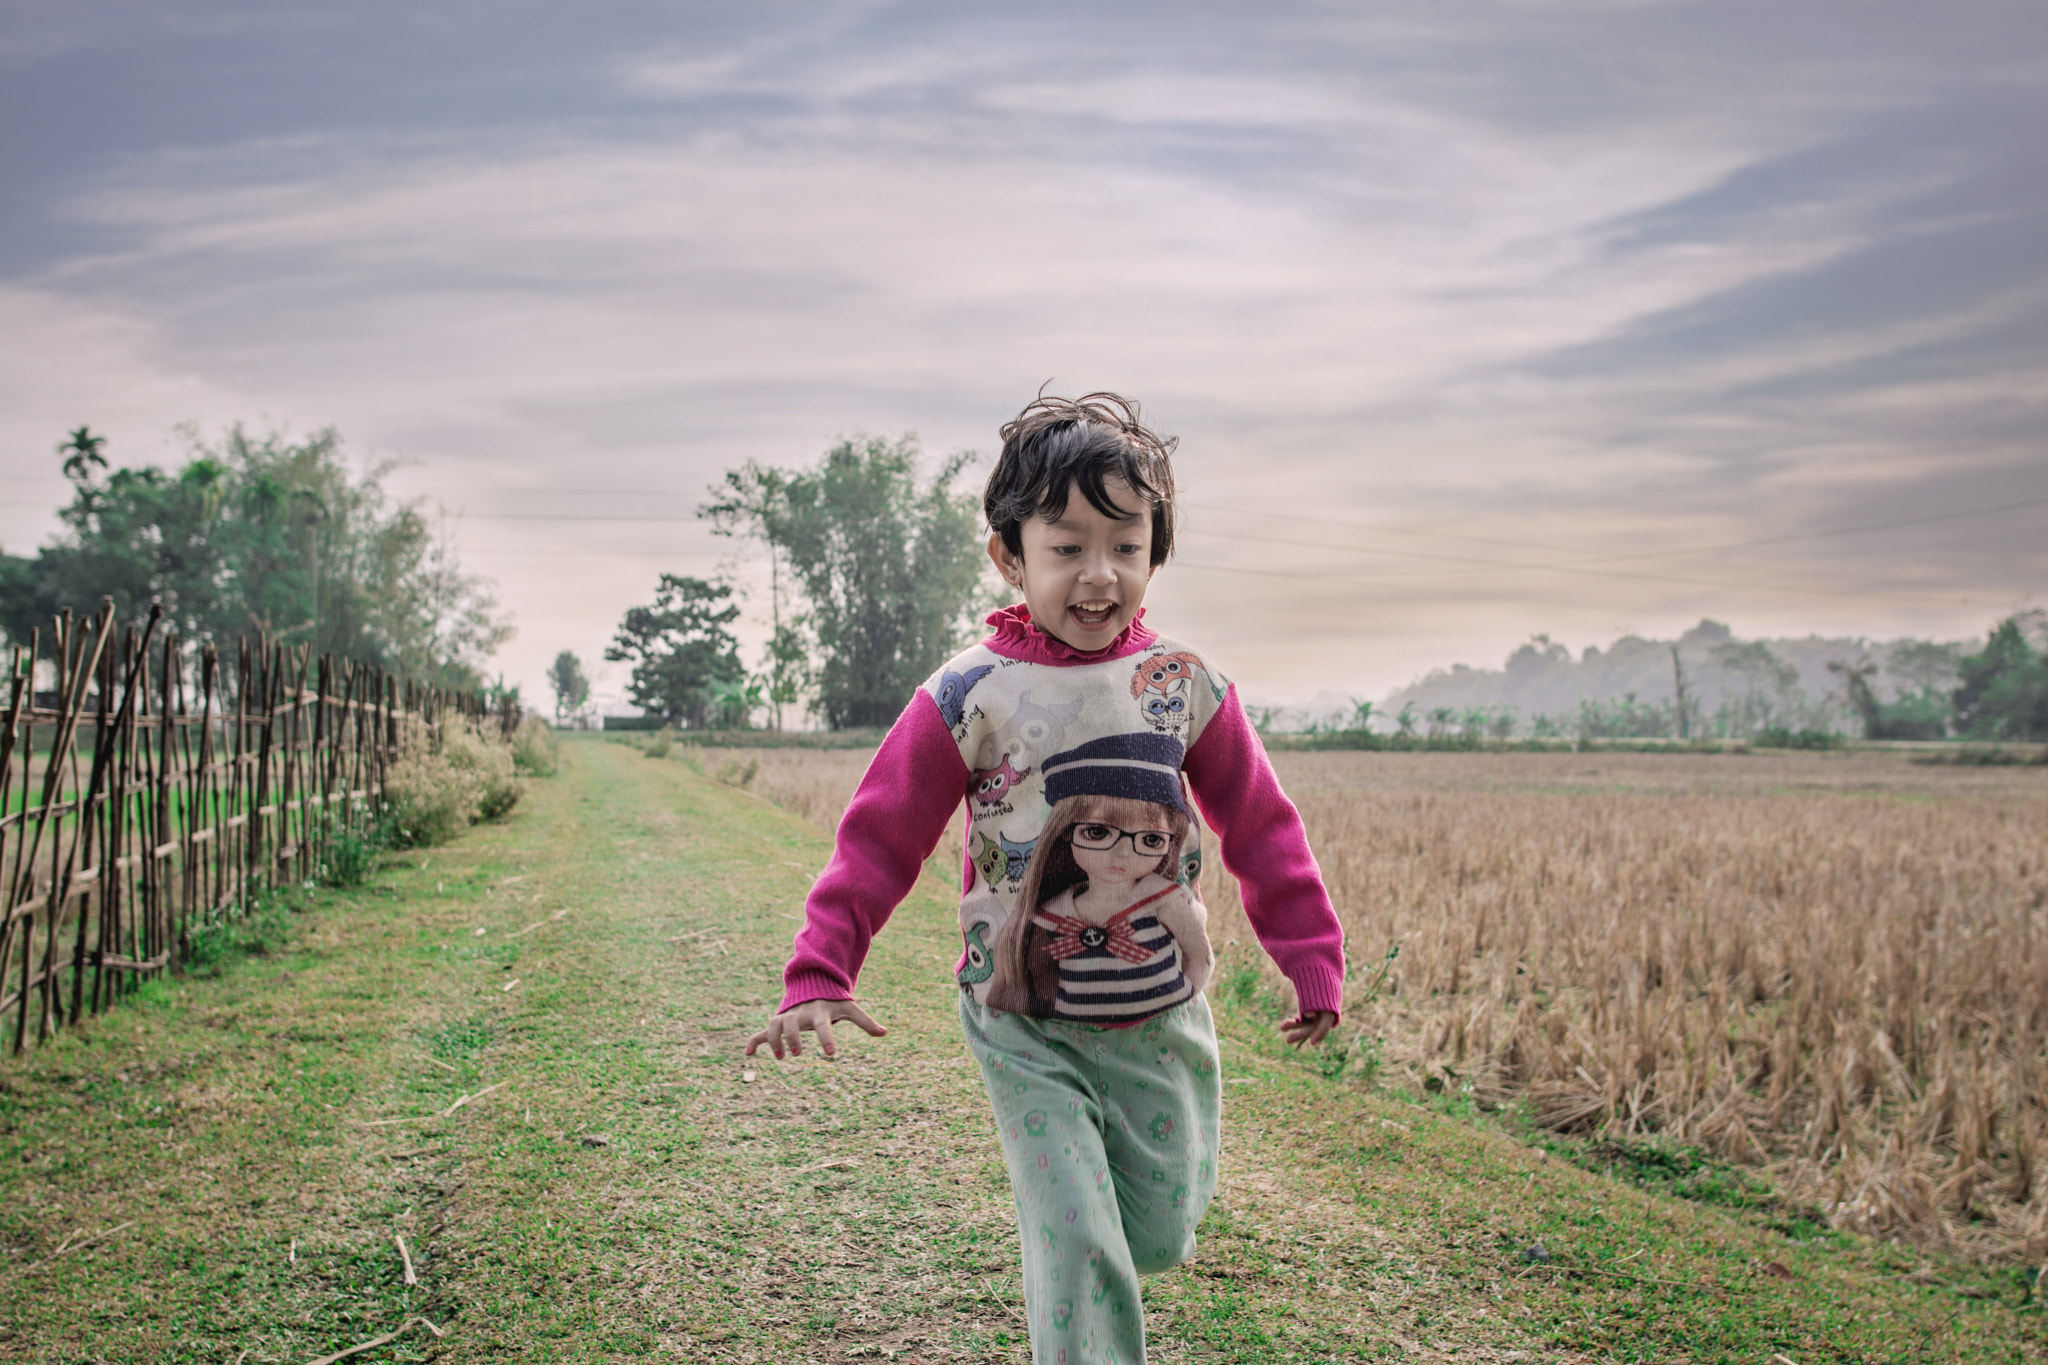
[1140, 767]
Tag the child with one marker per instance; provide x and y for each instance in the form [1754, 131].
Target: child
[1077, 736]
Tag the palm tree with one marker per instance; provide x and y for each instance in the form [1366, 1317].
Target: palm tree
[82, 457]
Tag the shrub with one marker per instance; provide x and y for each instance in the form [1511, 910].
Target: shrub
[533, 748]
[658, 747]
[468, 749]
[433, 794]
[427, 799]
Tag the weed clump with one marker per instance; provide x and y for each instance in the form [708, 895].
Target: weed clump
[349, 852]
[209, 948]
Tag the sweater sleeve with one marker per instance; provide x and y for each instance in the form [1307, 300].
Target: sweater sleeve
[896, 818]
[1265, 847]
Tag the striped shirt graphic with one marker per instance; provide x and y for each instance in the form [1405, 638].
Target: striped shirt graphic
[1100, 985]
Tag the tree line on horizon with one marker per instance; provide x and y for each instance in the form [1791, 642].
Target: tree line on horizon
[257, 534]
[1710, 684]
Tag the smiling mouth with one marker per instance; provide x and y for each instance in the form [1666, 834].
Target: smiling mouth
[1093, 614]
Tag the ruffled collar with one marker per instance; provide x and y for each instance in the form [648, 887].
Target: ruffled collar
[1017, 638]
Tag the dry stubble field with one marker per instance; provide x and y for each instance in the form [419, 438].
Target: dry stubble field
[1830, 966]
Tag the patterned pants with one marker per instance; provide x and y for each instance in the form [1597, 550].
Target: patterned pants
[1111, 1136]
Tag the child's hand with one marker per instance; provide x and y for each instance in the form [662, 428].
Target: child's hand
[786, 1029]
[1308, 1027]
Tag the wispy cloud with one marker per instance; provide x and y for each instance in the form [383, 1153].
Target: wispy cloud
[1614, 278]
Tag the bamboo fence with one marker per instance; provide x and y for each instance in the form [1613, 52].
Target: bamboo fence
[150, 793]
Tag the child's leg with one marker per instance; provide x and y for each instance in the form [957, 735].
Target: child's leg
[1080, 1288]
[1162, 1115]
[1111, 1140]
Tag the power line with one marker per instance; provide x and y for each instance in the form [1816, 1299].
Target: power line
[1382, 528]
[523, 550]
[568, 516]
[1828, 533]
[1371, 526]
[1472, 563]
[1789, 538]
[1597, 573]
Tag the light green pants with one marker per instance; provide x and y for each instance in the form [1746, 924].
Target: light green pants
[1111, 1136]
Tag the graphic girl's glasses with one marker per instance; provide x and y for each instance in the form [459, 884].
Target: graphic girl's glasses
[1153, 843]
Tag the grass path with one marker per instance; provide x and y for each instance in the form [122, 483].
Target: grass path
[221, 1170]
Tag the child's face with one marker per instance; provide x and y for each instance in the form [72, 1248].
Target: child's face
[1084, 575]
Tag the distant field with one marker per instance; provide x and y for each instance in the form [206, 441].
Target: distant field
[1832, 965]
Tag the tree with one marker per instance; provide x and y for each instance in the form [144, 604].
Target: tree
[83, 459]
[750, 505]
[734, 702]
[1908, 719]
[499, 694]
[570, 686]
[889, 569]
[261, 535]
[2004, 688]
[1771, 681]
[680, 648]
[1922, 666]
[1681, 696]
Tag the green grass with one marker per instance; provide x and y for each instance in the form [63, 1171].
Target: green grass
[629, 1192]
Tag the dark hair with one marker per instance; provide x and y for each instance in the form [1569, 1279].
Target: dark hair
[1056, 444]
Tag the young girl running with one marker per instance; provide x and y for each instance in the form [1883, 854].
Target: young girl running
[1091, 752]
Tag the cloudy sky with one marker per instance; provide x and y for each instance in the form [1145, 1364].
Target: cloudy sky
[1474, 320]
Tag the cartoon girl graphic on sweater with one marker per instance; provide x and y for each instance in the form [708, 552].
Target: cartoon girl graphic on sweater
[1102, 932]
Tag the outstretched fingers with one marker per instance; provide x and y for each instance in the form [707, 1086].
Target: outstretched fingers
[1308, 1028]
[785, 1032]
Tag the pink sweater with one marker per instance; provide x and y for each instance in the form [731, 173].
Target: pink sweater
[919, 777]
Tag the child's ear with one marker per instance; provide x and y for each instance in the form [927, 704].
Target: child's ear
[1010, 566]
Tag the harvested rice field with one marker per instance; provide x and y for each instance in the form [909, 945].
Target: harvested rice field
[1830, 967]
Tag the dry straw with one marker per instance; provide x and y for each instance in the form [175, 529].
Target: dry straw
[1850, 987]
[1834, 966]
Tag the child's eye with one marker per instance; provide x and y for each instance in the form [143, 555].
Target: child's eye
[1129, 547]
[1066, 551]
